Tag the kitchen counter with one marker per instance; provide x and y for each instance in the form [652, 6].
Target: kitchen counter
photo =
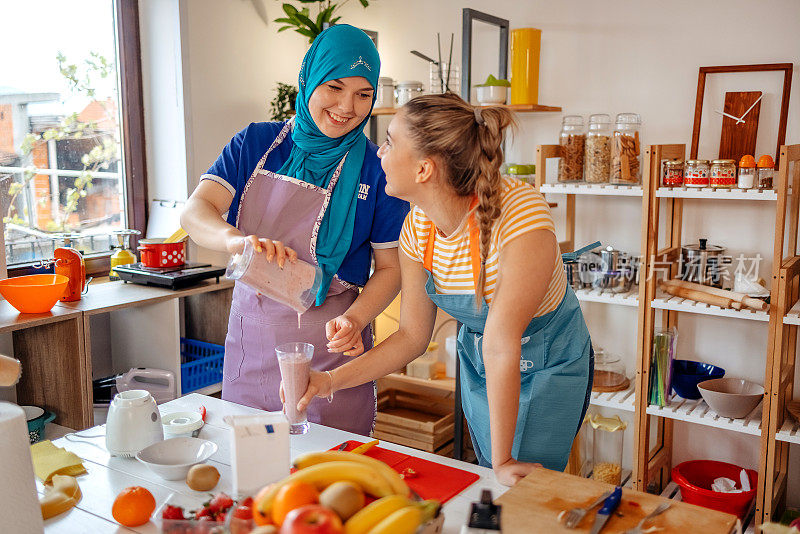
[107, 475]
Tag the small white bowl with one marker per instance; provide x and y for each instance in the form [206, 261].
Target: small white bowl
[171, 459]
[731, 397]
[492, 94]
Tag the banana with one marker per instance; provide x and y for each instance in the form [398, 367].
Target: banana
[404, 521]
[361, 449]
[64, 494]
[323, 475]
[375, 512]
[397, 484]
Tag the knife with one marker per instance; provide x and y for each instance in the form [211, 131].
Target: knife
[609, 505]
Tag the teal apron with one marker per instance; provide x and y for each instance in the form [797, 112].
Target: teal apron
[555, 368]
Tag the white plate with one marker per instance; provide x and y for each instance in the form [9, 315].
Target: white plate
[171, 459]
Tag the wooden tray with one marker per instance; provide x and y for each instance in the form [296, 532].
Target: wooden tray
[414, 420]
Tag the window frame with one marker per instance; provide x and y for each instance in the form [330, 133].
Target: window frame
[134, 163]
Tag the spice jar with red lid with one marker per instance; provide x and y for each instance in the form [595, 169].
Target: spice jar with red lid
[766, 168]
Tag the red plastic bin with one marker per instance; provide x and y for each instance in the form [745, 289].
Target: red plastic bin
[696, 477]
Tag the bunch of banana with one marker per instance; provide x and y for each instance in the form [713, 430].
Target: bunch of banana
[64, 494]
[324, 468]
[394, 514]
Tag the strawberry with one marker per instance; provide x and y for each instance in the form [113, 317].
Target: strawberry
[220, 503]
[248, 502]
[172, 512]
[243, 512]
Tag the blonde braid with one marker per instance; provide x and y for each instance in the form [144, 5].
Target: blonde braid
[467, 142]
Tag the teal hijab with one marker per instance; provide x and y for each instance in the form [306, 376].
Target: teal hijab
[341, 51]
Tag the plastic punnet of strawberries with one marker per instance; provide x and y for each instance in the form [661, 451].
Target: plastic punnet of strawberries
[177, 520]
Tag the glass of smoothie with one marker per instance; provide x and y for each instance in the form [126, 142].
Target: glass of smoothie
[295, 362]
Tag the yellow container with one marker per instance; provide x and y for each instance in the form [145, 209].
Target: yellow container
[526, 44]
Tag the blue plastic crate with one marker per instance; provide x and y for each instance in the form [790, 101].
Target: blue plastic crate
[201, 364]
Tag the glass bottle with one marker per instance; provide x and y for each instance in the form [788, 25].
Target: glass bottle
[609, 433]
[747, 172]
[597, 158]
[695, 173]
[626, 154]
[572, 140]
[766, 168]
[609, 372]
[723, 173]
[672, 173]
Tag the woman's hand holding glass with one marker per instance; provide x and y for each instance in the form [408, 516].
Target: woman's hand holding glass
[320, 384]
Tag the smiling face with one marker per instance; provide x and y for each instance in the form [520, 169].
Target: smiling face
[401, 162]
[338, 106]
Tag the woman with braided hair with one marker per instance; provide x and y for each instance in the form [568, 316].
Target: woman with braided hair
[482, 248]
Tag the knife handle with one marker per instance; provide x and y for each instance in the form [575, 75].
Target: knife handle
[610, 504]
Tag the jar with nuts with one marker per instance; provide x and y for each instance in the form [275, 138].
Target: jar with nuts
[597, 158]
[626, 154]
[607, 448]
[572, 140]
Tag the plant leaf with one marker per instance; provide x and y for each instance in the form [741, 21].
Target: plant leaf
[308, 33]
[285, 20]
[309, 23]
[290, 10]
[364, 3]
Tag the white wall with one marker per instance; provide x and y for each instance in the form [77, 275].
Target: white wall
[597, 57]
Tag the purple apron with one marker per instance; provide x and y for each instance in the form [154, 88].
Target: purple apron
[286, 209]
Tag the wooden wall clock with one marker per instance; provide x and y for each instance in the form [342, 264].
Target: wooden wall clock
[741, 112]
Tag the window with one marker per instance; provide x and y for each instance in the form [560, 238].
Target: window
[62, 138]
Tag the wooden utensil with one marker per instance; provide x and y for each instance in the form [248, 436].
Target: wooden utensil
[534, 503]
[701, 296]
[750, 302]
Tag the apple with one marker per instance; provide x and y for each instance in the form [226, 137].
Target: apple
[312, 519]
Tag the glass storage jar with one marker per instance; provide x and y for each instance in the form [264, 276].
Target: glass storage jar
[747, 172]
[572, 140]
[609, 372]
[525, 173]
[672, 173]
[385, 96]
[405, 91]
[586, 439]
[597, 157]
[723, 174]
[766, 168]
[626, 154]
[608, 439]
[695, 173]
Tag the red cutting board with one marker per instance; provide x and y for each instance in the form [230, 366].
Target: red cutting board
[432, 480]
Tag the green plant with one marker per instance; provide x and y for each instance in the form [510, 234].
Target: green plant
[300, 21]
[282, 106]
[491, 81]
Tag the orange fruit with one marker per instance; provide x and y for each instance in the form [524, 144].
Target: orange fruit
[292, 495]
[259, 518]
[133, 506]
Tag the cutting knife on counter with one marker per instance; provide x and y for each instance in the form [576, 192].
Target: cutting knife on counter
[609, 505]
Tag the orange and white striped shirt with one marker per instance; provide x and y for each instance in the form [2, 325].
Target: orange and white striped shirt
[523, 209]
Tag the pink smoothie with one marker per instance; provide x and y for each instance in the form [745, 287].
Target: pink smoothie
[295, 370]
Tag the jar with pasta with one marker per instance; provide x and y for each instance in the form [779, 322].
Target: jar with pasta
[626, 153]
[572, 141]
[597, 158]
[607, 448]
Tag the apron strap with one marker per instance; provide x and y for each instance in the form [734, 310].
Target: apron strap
[474, 245]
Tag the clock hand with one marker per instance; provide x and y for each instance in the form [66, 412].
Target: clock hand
[751, 107]
[737, 119]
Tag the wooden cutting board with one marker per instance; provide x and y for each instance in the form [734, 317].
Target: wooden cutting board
[533, 505]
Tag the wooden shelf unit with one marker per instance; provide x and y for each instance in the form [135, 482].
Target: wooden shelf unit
[519, 108]
[783, 431]
[654, 464]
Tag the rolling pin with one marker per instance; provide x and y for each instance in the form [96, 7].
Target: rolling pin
[750, 302]
[701, 296]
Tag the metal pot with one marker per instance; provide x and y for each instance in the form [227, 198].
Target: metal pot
[702, 263]
[619, 281]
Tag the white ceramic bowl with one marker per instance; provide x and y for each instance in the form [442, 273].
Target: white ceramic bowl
[171, 459]
[492, 94]
[731, 397]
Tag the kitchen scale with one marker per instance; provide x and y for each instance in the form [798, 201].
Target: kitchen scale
[170, 277]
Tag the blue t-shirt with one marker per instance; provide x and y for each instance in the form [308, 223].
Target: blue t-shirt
[379, 217]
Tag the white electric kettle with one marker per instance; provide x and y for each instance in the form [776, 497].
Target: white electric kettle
[133, 423]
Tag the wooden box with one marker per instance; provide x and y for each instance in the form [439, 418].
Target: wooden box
[415, 420]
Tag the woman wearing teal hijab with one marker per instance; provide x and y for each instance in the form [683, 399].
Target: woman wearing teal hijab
[310, 188]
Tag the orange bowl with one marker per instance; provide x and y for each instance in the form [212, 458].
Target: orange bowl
[36, 293]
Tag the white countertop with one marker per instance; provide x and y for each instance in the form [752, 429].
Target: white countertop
[107, 475]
